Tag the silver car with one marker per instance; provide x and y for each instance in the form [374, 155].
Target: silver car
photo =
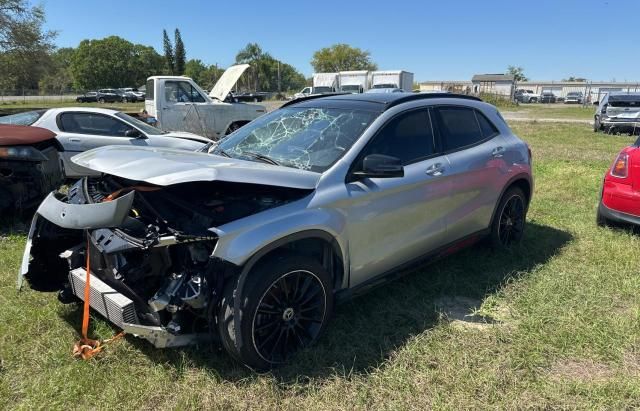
[254, 239]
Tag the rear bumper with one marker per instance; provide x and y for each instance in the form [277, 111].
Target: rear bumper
[620, 202]
[617, 216]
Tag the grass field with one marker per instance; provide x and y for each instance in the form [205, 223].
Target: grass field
[559, 111]
[9, 107]
[555, 323]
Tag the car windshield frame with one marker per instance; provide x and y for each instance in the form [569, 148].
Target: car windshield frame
[37, 114]
[305, 138]
[139, 124]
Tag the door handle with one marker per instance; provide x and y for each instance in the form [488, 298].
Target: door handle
[435, 169]
[498, 152]
[74, 140]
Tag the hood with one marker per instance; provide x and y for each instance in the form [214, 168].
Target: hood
[187, 136]
[226, 82]
[12, 135]
[163, 166]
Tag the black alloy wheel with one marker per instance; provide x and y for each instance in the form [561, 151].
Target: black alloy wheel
[289, 316]
[509, 223]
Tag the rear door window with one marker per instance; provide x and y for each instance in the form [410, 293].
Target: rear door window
[459, 127]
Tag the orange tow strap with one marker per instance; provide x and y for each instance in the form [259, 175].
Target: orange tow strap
[116, 193]
[86, 347]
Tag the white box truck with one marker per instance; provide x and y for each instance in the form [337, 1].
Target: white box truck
[392, 79]
[179, 104]
[325, 83]
[354, 81]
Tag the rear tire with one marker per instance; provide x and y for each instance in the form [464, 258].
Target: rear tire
[101, 100]
[509, 222]
[286, 303]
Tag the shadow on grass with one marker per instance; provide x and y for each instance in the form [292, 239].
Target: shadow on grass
[366, 330]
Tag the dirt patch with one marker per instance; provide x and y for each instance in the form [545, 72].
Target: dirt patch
[462, 312]
[580, 370]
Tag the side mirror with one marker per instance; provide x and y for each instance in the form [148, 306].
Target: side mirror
[133, 133]
[380, 166]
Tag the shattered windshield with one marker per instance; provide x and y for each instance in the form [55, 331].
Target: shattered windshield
[305, 138]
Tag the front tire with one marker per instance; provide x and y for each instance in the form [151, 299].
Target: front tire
[286, 303]
[509, 222]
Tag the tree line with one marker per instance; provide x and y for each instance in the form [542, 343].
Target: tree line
[30, 60]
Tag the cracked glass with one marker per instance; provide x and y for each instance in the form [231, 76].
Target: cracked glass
[306, 138]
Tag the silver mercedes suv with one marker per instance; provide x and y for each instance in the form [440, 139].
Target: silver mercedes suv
[252, 240]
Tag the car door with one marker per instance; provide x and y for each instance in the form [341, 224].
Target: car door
[395, 220]
[184, 108]
[82, 131]
[477, 172]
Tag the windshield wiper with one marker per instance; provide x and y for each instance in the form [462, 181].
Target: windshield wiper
[261, 157]
[219, 151]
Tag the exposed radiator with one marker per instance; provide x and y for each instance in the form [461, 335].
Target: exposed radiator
[111, 304]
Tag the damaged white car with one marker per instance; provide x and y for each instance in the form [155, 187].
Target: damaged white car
[251, 241]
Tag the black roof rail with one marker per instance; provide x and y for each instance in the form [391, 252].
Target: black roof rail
[311, 97]
[426, 96]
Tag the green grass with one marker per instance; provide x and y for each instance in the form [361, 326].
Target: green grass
[559, 111]
[20, 106]
[556, 324]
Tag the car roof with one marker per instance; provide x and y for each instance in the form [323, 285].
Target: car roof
[370, 101]
[99, 110]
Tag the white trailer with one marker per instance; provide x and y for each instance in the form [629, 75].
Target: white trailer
[179, 104]
[354, 81]
[325, 83]
[392, 79]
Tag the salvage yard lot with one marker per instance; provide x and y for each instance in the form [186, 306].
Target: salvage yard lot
[556, 323]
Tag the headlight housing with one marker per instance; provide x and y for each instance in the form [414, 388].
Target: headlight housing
[22, 153]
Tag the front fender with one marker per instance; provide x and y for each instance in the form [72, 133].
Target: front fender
[239, 244]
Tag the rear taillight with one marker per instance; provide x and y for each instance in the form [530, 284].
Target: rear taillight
[621, 166]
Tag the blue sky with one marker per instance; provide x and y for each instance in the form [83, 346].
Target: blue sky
[437, 40]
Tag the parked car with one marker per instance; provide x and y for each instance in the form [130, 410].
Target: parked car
[89, 97]
[29, 166]
[108, 95]
[130, 94]
[574, 97]
[526, 96]
[257, 237]
[620, 197]
[307, 91]
[385, 90]
[618, 112]
[81, 129]
[548, 97]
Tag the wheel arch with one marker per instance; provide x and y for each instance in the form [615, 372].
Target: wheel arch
[316, 240]
[522, 181]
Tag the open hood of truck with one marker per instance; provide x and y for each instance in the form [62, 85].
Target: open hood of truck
[226, 82]
[164, 166]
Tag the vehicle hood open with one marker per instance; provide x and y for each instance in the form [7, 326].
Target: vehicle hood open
[226, 82]
[164, 166]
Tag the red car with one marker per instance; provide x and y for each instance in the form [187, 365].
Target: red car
[620, 200]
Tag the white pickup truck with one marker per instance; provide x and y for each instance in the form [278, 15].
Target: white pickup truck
[179, 104]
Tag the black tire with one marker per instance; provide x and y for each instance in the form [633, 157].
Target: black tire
[101, 100]
[509, 221]
[272, 326]
[602, 221]
[596, 125]
[232, 127]
[125, 100]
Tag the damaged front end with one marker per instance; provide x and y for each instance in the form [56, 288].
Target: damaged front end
[150, 250]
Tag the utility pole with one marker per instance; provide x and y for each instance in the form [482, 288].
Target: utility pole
[279, 90]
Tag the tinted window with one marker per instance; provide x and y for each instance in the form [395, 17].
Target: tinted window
[488, 129]
[408, 137]
[90, 123]
[459, 127]
[149, 91]
[181, 92]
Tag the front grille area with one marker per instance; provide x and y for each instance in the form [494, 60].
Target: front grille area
[111, 304]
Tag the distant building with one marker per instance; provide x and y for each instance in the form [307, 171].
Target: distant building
[505, 85]
[502, 84]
